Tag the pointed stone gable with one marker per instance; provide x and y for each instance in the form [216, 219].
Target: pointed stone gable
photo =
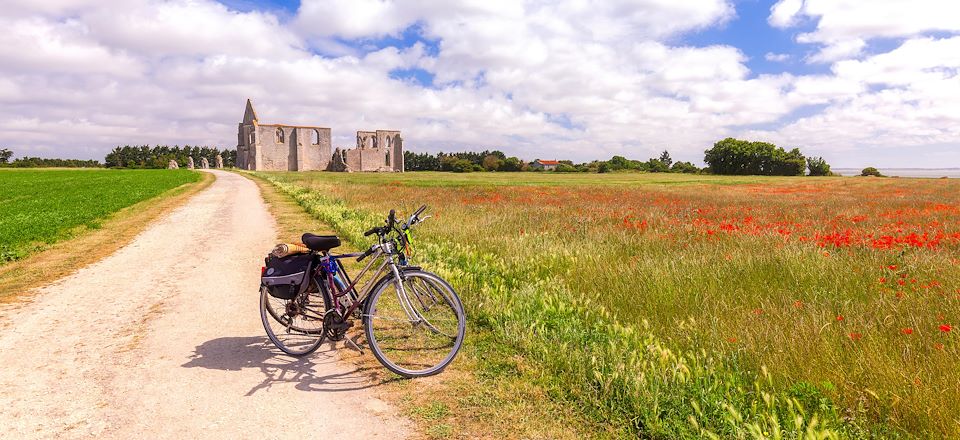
[249, 115]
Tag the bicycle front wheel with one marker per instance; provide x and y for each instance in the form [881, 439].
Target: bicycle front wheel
[415, 325]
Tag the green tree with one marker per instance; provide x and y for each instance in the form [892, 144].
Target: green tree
[656, 166]
[871, 171]
[665, 158]
[818, 166]
[492, 162]
[5, 155]
[684, 167]
[620, 163]
[739, 157]
[511, 164]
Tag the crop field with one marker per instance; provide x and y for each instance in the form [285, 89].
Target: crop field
[679, 306]
[39, 207]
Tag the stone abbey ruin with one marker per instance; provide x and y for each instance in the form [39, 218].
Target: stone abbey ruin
[280, 147]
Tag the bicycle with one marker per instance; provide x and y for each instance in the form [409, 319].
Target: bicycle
[413, 320]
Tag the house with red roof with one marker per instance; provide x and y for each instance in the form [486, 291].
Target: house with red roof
[546, 165]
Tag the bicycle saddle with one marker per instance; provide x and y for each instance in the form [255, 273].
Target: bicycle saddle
[320, 242]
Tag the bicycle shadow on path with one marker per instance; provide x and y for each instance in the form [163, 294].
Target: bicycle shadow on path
[318, 371]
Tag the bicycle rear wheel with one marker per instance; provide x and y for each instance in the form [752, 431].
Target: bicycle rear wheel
[415, 326]
[294, 326]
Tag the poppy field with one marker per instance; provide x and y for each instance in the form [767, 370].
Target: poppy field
[679, 306]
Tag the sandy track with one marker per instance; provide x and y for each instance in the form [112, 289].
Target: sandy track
[163, 340]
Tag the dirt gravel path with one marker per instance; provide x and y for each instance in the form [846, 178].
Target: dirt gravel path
[163, 339]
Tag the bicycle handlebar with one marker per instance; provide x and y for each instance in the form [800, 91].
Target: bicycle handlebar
[392, 221]
[420, 211]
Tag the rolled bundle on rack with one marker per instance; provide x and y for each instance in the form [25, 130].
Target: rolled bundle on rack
[284, 249]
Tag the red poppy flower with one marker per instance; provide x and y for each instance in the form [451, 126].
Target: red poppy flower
[892, 267]
[856, 336]
[938, 346]
[946, 328]
[840, 318]
[883, 280]
[798, 304]
[907, 331]
[757, 311]
[732, 340]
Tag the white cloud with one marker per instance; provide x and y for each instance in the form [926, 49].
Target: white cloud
[777, 57]
[844, 26]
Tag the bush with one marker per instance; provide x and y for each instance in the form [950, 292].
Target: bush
[566, 168]
[657, 166]
[492, 163]
[463, 166]
[818, 167]
[871, 171]
[738, 157]
[684, 167]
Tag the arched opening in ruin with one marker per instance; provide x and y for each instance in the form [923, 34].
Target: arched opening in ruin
[280, 139]
[388, 158]
[315, 137]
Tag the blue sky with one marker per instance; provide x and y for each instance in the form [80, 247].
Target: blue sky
[855, 82]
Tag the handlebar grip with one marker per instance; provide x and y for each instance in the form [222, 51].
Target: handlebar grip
[420, 211]
[371, 232]
[365, 255]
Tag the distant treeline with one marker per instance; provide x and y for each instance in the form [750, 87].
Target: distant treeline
[469, 161]
[728, 156]
[40, 162]
[159, 156]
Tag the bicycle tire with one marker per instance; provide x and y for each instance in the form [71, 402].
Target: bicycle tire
[296, 340]
[376, 319]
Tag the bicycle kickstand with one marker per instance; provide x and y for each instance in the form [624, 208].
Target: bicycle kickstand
[352, 344]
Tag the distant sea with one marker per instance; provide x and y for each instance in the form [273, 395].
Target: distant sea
[906, 172]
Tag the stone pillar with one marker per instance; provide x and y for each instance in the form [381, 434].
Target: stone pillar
[173, 165]
[255, 154]
[301, 154]
[219, 161]
[204, 163]
[190, 162]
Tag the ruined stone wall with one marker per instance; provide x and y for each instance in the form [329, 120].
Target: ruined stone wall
[276, 147]
[275, 154]
[313, 148]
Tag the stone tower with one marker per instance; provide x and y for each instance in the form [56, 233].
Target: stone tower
[280, 147]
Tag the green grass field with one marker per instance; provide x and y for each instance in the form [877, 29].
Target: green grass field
[40, 207]
[675, 306]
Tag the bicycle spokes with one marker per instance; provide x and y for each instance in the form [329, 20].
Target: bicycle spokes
[415, 323]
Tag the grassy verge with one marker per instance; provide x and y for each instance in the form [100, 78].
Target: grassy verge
[490, 391]
[89, 242]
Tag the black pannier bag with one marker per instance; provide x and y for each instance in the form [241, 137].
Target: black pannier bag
[286, 277]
